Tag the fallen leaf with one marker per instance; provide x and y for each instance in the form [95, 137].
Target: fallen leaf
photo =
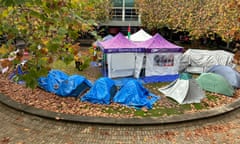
[57, 118]
[5, 140]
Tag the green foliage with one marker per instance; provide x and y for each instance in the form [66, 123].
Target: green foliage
[66, 58]
[12, 2]
[32, 74]
[86, 62]
[198, 17]
[67, 68]
[48, 27]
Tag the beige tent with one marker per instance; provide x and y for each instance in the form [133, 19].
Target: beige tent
[184, 91]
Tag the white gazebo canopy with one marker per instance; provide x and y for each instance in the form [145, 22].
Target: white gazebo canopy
[140, 36]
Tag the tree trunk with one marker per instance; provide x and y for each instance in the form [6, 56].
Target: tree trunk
[228, 45]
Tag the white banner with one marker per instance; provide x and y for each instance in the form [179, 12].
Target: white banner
[162, 63]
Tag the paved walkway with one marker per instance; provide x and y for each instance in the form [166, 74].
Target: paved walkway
[21, 128]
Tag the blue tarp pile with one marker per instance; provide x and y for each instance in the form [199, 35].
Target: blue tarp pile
[133, 94]
[121, 81]
[102, 91]
[61, 84]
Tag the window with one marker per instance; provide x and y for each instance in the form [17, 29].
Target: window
[117, 3]
[129, 3]
[117, 14]
[124, 11]
[130, 14]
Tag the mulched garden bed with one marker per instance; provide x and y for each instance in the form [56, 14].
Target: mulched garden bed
[69, 105]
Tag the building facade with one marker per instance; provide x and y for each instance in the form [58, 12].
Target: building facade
[123, 14]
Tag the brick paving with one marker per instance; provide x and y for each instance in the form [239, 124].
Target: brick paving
[20, 128]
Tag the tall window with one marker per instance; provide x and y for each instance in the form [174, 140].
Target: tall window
[123, 10]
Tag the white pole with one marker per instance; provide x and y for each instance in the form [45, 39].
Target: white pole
[123, 11]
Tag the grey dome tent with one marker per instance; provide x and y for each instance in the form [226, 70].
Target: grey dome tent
[230, 74]
[184, 91]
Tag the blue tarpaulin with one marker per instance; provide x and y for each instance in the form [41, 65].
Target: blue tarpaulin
[133, 94]
[121, 81]
[61, 84]
[102, 91]
[163, 78]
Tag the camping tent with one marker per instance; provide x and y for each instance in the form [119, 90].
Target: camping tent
[102, 91]
[162, 59]
[199, 61]
[133, 94]
[215, 83]
[230, 74]
[107, 37]
[184, 91]
[140, 36]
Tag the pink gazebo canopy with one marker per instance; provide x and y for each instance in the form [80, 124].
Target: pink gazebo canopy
[158, 43]
[119, 44]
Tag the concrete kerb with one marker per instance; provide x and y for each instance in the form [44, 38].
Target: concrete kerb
[116, 121]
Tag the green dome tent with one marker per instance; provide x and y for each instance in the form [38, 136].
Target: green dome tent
[215, 83]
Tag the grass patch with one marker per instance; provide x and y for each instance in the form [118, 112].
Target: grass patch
[156, 111]
[199, 106]
[156, 85]
[119, 110]
[67, 68]
[153, 87]
[211, 97]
